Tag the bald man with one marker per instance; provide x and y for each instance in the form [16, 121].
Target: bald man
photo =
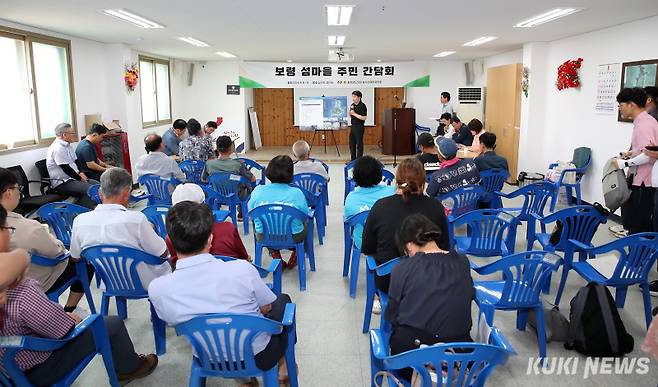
[156, 162]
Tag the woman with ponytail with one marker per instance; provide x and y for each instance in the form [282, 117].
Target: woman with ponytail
[431, 291]
[388, 213]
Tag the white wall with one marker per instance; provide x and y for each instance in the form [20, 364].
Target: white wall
[569, 118]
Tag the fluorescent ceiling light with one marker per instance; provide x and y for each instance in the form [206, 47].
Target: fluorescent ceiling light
[479, 41]
[194, 42]
[336, 40]
[132, 18]
[547, 17]
[289, 61]
[225, 54]
[443, 53]
[339, 15]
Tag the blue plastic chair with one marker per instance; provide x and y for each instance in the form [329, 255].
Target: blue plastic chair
[352, 255]
[489, 233]
[157, 215]
[467, 364]
[535, 197]
[59, 216]
[253, 167]
[387, 177]
[317, 211]
[419, 130]
[159, 188]
[116, 266]
[314, 187]
[382, 270]
[579, 171]
[493, 180]
[326, 190]
[222, 346]
[524, 276]
[276, 222]
[15, 344]
[80, 274]
[193, 170]
[578, 223]
[636, 255]
[227, 185]
[275, 269]
[462, 200]
[94, 194]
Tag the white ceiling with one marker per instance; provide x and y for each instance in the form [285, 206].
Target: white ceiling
[296, 29]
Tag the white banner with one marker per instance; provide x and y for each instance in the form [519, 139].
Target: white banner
[318, 75]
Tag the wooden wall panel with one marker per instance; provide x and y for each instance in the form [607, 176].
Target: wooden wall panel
[275, 117]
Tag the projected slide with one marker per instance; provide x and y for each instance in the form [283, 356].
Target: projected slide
[323, 112]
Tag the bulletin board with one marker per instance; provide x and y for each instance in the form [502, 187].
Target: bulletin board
[638, 74]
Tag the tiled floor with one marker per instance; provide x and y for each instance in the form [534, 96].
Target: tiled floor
[332, 351]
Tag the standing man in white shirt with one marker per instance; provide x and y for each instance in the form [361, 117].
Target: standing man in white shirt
[304, 164]
[156, 162]
[112, 224]
[446, 107]
[65, 177]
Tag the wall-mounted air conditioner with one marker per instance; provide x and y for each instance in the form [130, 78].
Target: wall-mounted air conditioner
[470, 103]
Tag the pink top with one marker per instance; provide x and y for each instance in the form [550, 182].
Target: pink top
[475, 146]
[645, 131]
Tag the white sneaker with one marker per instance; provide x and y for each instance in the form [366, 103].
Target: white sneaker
[376, 306]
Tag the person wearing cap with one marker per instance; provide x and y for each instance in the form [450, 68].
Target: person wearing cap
[463, 135]
[226, 240]
[454, 172]
[156, 161]
[358, 114]
[429, 156]
[304, 164]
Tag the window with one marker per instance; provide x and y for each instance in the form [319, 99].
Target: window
[36, 79]
[155, 92]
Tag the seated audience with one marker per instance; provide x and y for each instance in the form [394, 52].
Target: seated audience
[156, 161]
[226, 240]
[27, 311]
[367, 175]
[112, 224]
[476, 128]
[304, 164]
[431, 291]
[65, 177]
[428, 156]
[224, 163]
[197, 146]
[173, 136]
[220, 287]
[463, 135]
[279, 172]
[34, 237]
[454, 172]
[388, 213]
[87, 154]
[488, 159]
[209, 129]
[446, 121]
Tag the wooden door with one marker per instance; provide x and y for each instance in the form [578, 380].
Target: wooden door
[503, 112]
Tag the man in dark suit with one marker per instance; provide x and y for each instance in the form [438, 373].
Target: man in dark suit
[488, 159]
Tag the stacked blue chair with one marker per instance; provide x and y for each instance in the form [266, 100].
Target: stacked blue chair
[157, 215]
[524, 276]
[193, 170]
[382, 270]
[159, 188]
[462, 200]
[462, 364]
[13, 345]
[254, 168]
[116, 266]
[493, 180]
[276, 221]
[227, 186]
[637, 254]
[274, 269]
[535, 197]
[352, 255]
[60, 216]
[578, 223]
[582, 153]
[313, 186]
[222, 346]
[80, 274]
[489, 233]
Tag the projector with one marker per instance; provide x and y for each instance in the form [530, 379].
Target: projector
[340, 56]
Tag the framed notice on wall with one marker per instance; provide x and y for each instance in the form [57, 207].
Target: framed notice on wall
[607, 87]
[639, 74]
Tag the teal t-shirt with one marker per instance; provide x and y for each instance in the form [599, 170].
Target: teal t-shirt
[278, 193]
[362, 199]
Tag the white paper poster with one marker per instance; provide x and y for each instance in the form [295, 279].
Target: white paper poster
[607, 87]
[310, 112]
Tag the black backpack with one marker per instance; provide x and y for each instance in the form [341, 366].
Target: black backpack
[595, 328]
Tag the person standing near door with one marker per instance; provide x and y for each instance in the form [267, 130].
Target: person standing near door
[359, 113]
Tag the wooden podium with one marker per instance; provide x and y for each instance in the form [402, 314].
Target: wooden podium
[399, 132]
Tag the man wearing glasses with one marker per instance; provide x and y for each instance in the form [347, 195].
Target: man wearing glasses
[65, 177]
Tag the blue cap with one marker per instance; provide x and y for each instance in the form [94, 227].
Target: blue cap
[447, 147]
